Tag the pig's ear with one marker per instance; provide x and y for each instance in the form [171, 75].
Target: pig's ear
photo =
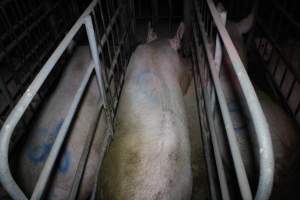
[186, 75]
[151, 35]
[176, 41]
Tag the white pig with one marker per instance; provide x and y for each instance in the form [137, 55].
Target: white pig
[284, 133]
[39, 141]
[149, 157]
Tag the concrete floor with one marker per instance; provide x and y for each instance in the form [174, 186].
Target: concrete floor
[200, 181]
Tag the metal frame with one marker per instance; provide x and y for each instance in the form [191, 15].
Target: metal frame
[104, 87]
[29, 35]
[207, 23]
[267, 33]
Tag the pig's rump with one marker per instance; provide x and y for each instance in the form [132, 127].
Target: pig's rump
[149, 157]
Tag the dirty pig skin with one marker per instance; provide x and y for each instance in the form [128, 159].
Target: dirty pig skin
[149, 157]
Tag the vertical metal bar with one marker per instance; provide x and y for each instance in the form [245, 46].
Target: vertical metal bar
[266, 159]
[220, 168]
[95, 55]
[205, 137]
[85, 154]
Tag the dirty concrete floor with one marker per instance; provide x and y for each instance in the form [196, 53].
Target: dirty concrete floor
[200, 183]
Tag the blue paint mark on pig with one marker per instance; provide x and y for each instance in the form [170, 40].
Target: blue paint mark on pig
[38, 153]
[65, 163]
[144, 82]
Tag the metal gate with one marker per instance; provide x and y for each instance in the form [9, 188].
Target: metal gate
[109, 25]
[275, 39]
[209, 35]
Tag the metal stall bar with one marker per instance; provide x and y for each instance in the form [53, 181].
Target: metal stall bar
[203, 121]
[284, 66]
[49, 164]
[266, 161]
[83, 158]
[9, 125]
[236, 155]
[261, 129]
[220, 167]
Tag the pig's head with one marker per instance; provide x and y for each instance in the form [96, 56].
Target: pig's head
[237, 30]
[165, 54]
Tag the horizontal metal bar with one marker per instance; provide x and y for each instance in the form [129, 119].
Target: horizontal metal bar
[6, 178]
[49, 164]
[232, 140]
[260, 125]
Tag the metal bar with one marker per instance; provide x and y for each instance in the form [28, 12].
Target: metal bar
[287, 16]
[220, 168]
[232, 140]
[297, 109]
[291, 89]
[49, 164]
[205, 136]
[14, 117]
[283, 77]
[106, 142]
[261, 129]
[93, 46]
[25, 33]
[277, 49]
[85, 153]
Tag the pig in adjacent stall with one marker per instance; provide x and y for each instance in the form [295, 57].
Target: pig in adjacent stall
[37, 144]
[149, 157]
[284, 133]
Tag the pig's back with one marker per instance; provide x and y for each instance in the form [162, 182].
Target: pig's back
[150, 156]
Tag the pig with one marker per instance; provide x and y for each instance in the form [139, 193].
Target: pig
[284, 133]
[149, 157]
[36, 147]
